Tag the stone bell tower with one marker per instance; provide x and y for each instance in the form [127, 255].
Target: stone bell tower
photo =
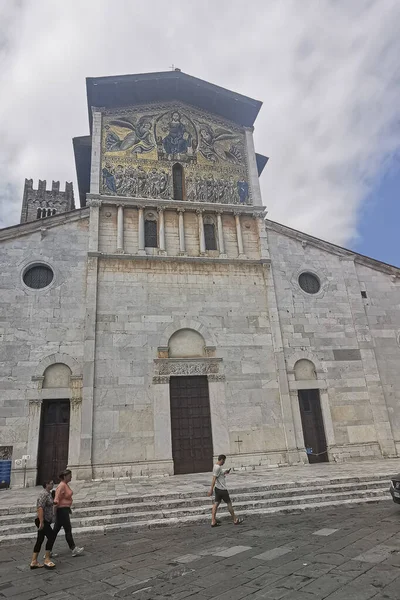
[42, 203]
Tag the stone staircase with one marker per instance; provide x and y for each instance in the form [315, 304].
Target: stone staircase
[137, 511]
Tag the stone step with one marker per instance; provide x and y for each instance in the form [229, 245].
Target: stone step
[234, 491]
[181, 503]
[197, 519]
[241, 507]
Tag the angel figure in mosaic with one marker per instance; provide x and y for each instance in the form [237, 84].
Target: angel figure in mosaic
[213, 145]
[139, 140]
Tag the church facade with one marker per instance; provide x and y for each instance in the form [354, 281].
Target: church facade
[167, 321]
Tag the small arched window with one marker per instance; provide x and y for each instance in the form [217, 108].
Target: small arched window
[178, 180]
[39, 213]
[150, 233]
[209, 236]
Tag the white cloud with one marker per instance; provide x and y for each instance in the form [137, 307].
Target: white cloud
[326, 71]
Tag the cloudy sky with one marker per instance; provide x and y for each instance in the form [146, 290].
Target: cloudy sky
[327, 72]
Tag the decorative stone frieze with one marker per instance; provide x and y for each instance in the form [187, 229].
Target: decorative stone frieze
[192, 366]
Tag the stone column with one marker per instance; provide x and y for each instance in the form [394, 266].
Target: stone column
[141, 240]
[202, 240]
[120, 228]
[94, 220]
[239, 236]
[161, 229]
[221, 242]
[182, 247]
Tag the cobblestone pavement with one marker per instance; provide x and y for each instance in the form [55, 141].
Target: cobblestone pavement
[200, 482]
[340, 554]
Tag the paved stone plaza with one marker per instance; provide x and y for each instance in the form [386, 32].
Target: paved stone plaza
[339, 554]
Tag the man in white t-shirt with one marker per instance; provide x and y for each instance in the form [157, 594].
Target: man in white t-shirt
[218, 485]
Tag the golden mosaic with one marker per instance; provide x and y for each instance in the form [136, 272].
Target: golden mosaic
[141, 145]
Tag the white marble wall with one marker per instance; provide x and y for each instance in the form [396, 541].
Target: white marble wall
[36, 324]
[345, 336]
[136, 304]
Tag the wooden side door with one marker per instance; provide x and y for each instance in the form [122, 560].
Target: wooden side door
[192, 447]
[53, 439]
[313, 426]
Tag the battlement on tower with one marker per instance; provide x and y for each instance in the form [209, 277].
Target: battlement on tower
[42, 203]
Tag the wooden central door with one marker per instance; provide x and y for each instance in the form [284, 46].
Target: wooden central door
[313, 426]
[53, 440]
[192, 447]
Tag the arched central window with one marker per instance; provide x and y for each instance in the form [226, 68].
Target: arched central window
[178, 182]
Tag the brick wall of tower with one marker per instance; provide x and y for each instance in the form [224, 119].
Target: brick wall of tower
[43, 203]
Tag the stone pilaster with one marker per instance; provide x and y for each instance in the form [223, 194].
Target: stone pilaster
[85, 456]
[280, 365]
[94, 221]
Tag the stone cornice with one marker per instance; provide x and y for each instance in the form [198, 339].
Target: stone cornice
[182, 259]
[342, 253]
[44, 224]
[245, 209]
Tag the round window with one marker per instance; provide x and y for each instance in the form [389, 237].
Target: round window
[309, 283]
[38, 276]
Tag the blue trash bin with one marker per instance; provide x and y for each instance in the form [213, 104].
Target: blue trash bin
[5, 473]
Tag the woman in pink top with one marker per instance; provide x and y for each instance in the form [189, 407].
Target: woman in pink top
[62, 502]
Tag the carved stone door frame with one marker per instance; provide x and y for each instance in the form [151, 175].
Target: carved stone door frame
[213, 369]
[36, 397]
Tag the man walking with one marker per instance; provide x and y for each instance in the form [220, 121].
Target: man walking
[218, 485]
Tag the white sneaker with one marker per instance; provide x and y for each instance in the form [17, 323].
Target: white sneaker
[77, 551]
[52, 555]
